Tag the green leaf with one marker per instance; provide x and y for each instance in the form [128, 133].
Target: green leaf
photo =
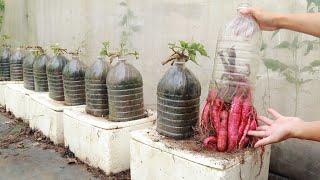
[123, 3]
[315, 63]
[290, 77]
[283, 45]
[184, 44]
[275, 33]
[274, 64]
[263, 46]
[307, 69]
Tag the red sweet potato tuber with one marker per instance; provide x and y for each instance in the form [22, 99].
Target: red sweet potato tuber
[222, 132]
[233, 123]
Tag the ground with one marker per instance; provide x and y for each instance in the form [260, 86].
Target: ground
[27, 154]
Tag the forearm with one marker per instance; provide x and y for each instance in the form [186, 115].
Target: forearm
[307, 130]
[308, 23]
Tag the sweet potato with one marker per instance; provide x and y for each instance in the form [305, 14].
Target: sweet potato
[233, 123]
[210, 142]
[215, 114]
[222, 133]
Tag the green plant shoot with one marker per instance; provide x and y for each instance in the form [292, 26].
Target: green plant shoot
[186, 51]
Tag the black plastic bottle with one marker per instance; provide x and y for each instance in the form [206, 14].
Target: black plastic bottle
[96, 88]
[16, 63]
[125, 92]
[40, 74]
[178, 102]
[74, 82]
[54, 70]
[5, 64]
[28, 78]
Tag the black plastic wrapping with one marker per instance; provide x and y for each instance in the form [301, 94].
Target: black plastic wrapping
[178, 102]
[5, 64]
[96, 88]
[54, 74]
[74, 82]
[40, 74]
[16, 65]
[125, 92]
[28, 78]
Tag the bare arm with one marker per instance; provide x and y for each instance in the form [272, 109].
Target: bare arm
[283, 128]
[308, 23]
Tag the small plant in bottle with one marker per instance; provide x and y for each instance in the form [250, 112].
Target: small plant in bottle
[178, 92]
[16, 61]
[74, 81]
[54, 70]
[96, 87]
[39, 70]
[28, 61]
[125, 85]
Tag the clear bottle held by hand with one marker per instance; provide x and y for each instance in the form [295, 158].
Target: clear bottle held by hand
[229, 113]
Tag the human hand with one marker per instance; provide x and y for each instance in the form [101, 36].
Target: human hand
[276, 130]
[266, 20]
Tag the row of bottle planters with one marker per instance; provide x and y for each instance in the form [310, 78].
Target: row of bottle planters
[116, 91]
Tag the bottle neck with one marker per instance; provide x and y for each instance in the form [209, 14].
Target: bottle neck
[243, 5]
[179, 64]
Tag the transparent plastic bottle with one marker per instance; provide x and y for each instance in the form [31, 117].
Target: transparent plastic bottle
[237, 57]
[39, 72]
[96, 88]
[16, 61]
[74, 83]
[125, 92]
[5, 64]
[178, 102]
[28, 78]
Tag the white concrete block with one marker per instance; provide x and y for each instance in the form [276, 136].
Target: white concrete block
[156, 157]
[17, 100]
[99, 142]
[2, 90]
[47, 116]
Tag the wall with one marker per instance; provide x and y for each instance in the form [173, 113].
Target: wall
[89, 22]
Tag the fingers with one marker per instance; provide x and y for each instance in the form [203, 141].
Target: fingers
[262, 128]
[274, 113]
[258, 133]
[264, 141]
[265, 120]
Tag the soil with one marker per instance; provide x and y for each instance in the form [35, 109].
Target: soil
[20, 131]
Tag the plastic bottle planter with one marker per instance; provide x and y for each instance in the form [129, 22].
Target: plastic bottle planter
[28, 78]
[39, 72]
[74, 83]
[54, 74]
[96, 89]
[125, 92]
[16, 62]
[5, 64]
[178, 102]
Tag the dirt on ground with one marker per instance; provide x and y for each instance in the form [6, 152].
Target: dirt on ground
[19, 131]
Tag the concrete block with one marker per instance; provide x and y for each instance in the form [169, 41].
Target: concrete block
[99, 142]
[2, 89]
[18, 100]
[47, 116]
[156, 157]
